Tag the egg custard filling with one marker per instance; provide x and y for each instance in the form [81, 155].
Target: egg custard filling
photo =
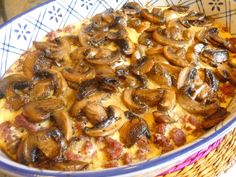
[121, 87]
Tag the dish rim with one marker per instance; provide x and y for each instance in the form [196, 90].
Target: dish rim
[176, 155]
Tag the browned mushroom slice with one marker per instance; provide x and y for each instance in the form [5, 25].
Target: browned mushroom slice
[102, 56]
[128, 100]
[154, 18]
[109, 126]
[230, 44]
[132, 8]
[180, 9]
[14, 81]
[138, 54]
[158, 49]
[68, 166]
[215, 118]
[86, 73]
[168, 100]
[226, 73]
[194, 107]
[53, 50]
[95, 113]
[186, 76]
[214, 56]
[108, 84]
[64, 123]
[87, 88]
[146, 39]
[195, 19]
[42, 89]
[162, 77]
[193, 53]
[79, 105]
[29, 62]
[41, 110]
[59, 82]
[161, 117]
[211, 80]
[43, 142]
[176, 56]
[133, 130]
[149, 96]
[126, 45]
[143, 66]
[104, 70]
[14, 101]
[79, 53]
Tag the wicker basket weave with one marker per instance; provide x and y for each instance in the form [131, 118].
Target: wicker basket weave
[216, 162]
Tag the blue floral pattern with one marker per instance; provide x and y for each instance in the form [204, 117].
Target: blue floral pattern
[216, 4]
[86, 4]
[55, 13]
[22, 31]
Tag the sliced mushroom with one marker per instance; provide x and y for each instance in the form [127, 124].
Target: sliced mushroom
[143, 66]
[226, 73]
[215, 118]
[53, 50]
[151, 97]
[161, 76]
[104, 70]
[59, 82]
[161, 117]
[109, 126]
[95, 113]
[194, 107]
[79, 53]
[44, 142]
[64, 123]
[186, 76]
[176, 56]
[146, 39]
[180, 9]
[14, 81]
[79, 105]
[108, 84]
[42, 89]
[29, 62]
[126, 45]
[14, 101]
[158, 49]
[152, 17]
[195, 19]
[214, 56]
[41, 110]
[87, 88]
[168, 100]
[84, 74]
[211, 80]
[133, 130]
[162, 39]
[102, 56]
[128, 99]
[132, 8]
[193, 53]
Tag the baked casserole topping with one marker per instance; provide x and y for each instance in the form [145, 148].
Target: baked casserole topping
[122, 87]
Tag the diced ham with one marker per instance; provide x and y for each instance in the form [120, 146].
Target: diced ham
[178, 136]
[69, 155]
[163, 142]
[111, 164]
[9, 137]
[227, 89]
[143, 148]
[160, 128]
[21, 121]
[113, 148]
[126, 158]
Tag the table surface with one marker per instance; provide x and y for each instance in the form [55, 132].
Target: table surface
[8, 9]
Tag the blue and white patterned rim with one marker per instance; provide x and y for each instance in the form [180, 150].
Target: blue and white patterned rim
[161, 161]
